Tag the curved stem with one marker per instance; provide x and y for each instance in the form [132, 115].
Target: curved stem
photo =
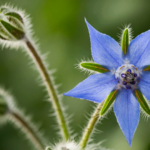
[29, 132]
[50, 88]
[90, 126]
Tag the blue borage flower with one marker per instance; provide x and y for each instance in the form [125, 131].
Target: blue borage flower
[126, 77]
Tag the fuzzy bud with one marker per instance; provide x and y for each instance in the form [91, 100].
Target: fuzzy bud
[11, 25]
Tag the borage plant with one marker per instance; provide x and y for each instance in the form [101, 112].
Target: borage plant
[120, 76]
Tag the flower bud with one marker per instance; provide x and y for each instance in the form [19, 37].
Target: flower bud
[11, 25]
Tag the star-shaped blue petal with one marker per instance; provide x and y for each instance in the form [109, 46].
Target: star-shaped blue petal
[105, 50]
[95, 88]
[127, 111]
[138, 51]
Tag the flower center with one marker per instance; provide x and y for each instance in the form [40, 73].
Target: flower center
[127, 76]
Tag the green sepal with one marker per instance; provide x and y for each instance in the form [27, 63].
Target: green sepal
[109, 100]
[15, 19]
[18, 34]
[144, 105]
[94, 67]
[15, 15]
[4, 35]
[125, 41]
[147, 68]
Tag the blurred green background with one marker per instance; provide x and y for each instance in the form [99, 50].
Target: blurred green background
[61, 30]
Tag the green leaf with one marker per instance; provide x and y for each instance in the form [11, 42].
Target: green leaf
[94, 67]
[109, 100]
[142, 102]
[18, 34]
[147, 68]
[125, 40]
[15, 15]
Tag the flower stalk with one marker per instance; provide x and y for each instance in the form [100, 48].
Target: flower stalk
[90, 126]
[10, 113]
[29, 132]
[14, 28]
[50, 88]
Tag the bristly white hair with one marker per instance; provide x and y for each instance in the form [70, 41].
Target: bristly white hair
[95, 146]
[72, 145]
[69, 145]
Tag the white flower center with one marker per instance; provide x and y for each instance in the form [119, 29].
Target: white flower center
[127, 76]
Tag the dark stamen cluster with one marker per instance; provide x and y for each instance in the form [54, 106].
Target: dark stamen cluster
[129, 78]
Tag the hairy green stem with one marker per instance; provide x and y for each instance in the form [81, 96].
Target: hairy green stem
[50, 88]
[90, 126]
[29, 132]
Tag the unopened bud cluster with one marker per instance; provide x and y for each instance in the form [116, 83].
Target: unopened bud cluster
[11, 24]
[64, 146]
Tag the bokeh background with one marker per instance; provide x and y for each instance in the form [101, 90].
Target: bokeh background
[61, 30]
